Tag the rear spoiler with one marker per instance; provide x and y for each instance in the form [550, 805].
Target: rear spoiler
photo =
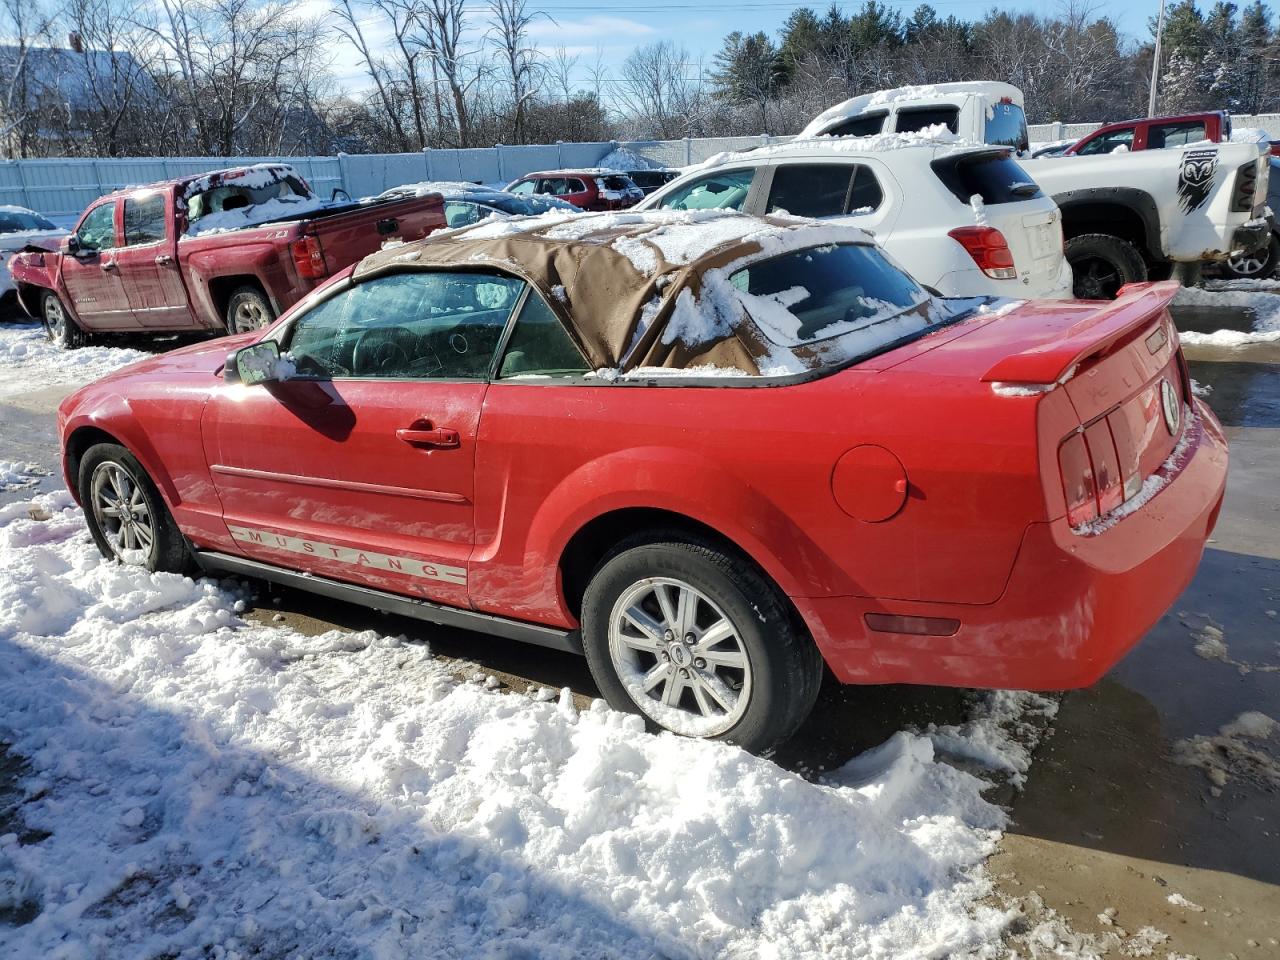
[1136, 306]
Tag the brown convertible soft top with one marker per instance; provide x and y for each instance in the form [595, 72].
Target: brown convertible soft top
[616, 279]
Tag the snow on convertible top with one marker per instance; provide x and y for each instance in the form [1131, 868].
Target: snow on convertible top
[208, 786]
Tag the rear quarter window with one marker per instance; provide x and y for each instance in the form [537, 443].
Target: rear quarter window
[919, 118]
[995, 177]
[864, 126]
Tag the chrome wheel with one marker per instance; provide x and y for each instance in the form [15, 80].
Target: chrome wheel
[121, 511]
[249, 314]
[679, 657]
[1248, 265]
[55, 319]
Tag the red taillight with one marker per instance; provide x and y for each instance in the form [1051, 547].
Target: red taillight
[1108, 477]
[1077, 480]
[308, 257]
[989, 250]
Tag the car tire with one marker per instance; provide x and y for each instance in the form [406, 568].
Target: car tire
[1101, 264]
[59, 326]
[248, 310]
[1257, 265]
[109, 476]
[752, 685]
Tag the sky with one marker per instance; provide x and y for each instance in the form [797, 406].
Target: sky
[614, 28]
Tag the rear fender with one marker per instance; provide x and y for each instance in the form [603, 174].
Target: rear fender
[258, 263]
[641, 477]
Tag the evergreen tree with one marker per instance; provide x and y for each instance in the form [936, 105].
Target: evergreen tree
[747, 71]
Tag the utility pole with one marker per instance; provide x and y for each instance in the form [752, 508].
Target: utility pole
[1155, 63]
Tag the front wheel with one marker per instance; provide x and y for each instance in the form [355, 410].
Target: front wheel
[59, 326]
[699, 643]
[1258, 264]
[1101, 264]
[248, 310]
[127, 517]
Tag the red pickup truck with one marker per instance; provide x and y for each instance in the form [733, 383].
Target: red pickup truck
[1155, 133]
[222, 252]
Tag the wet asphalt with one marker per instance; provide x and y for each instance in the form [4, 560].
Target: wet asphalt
[1110, 818]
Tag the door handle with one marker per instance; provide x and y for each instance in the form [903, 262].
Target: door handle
[164, 260]
[108, 264]
[428, 436]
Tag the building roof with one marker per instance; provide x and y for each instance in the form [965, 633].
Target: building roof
[70, 76]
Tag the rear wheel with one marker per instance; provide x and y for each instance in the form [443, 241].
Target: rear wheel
[1101, 264]
[248, 310]
[1258, 264]
[699, 643]
[127, 517]
[59, 326]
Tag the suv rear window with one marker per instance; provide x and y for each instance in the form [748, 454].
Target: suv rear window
[837, 291]
[614, 182]
[995, 177]
[917, 118]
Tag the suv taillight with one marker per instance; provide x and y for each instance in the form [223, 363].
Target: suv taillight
[989, 250]
[1245, 189]
[309, 258]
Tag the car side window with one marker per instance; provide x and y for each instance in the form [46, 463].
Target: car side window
[867, 194]
[574, 185]
[810, 189]
[918, 118]
[144, 220]
[433, 325]
[1107, 143]
[98, 230]
[540, 346]
[524, 188]
[863, 126]
[726, 190]
[459, 213]
[556, 186]
[1161, 135]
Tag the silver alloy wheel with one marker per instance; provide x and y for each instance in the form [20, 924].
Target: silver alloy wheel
[679, 657]
[122, 513]
[1248, 265]
[249, 315]
[56, 319]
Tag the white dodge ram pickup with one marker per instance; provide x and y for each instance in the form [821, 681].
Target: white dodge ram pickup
[1126, 216]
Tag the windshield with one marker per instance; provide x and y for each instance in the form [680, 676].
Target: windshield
[1007, 126]
[16, 221]
[847, 291]
[994, 177]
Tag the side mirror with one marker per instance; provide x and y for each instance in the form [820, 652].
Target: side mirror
[71, 244]
[256, 363]
[339, 194]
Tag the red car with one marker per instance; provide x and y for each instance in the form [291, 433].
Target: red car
[585, 189]
[1156, 133]
[222, 252]
[710, 451]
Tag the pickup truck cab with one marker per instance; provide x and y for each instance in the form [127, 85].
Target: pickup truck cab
[1154, 133]
[1127, 217]
[225, 252]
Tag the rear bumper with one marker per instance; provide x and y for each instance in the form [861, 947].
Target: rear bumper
[1074, 605]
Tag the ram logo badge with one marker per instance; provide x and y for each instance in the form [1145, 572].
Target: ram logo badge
[1195, 178]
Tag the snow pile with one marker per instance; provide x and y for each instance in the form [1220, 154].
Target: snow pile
[1237, 750]
[30, 361]
[256, 215]
[928, 138]
[624, 158]
[1002, 734]
[1259, 296]
[215, 788]
[17, 473]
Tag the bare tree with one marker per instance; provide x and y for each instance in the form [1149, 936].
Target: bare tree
[510, 35]
[28, 24]
[451, 54]
[348, 23]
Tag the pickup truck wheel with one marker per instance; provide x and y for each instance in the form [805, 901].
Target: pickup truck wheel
[1101, 264]
[59, 327]
[248, 310]
[699, 643]
[127, 517]
[1257, 265]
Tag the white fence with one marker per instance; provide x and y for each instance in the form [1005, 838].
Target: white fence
[63, 187]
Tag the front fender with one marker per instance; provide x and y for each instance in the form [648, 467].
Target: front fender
[111, 414]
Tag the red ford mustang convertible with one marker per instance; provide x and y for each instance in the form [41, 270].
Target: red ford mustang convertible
[712, 452]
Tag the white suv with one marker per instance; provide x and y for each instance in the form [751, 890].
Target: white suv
[965, 221]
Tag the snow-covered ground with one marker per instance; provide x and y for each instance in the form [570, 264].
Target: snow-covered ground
[213, 787]
[29, 361]
[1262, 297]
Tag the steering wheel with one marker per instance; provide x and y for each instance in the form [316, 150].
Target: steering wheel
[383, 350]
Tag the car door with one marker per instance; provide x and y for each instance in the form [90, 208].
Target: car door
[148, 264]
[91, 276]
[578, 193]
[360, 467]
